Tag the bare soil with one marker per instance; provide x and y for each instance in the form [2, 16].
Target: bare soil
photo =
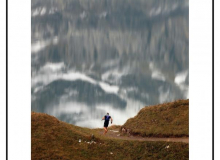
[115, 134]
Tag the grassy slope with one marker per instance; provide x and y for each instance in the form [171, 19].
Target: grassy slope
[53, 139]
[164, 120]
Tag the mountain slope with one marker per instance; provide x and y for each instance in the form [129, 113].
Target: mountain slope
[140, 47]
[54, 139]
[163, 120]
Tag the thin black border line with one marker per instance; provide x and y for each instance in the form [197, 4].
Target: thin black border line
[213, 127]
[6, 79]
[212, 80]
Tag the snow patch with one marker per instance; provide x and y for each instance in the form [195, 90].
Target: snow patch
[131, 89]
[39, 11]
[55, 40]
[52, 10]
[156, 74]
[71, 92]
[72, 76]
[164, 10]
[180, 81]
[53, 66]
[38, 89]
[52, 71]
[103, 14]
[83, 15]
[114, 76]
[43, 11]
[36, 12]
[108, 88]
[41, 44]
[111, 63]
[155, 11]
[180, 77]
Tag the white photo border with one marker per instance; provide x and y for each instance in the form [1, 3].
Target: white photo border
[19, 79]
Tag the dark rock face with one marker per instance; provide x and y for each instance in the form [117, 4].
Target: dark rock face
[134, 51]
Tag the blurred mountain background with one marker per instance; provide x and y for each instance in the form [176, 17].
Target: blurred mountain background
[89, 57]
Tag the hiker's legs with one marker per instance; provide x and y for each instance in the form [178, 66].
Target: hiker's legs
[106, 130]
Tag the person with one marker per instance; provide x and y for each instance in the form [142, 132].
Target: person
[106, 118]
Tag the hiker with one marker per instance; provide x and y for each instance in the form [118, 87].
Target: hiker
[106, 118]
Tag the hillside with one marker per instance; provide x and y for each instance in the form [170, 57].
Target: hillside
[163, 120]
[54, 139]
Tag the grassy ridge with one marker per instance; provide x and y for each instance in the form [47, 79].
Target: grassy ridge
[164, 120]
[53, 139]
[50, 137]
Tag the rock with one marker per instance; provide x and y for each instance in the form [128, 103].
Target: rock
[128, 132]
[167, 147]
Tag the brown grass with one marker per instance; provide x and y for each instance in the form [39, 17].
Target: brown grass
[52, 139]
[163, 120]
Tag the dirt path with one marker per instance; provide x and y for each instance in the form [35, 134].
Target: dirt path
[116, 135]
